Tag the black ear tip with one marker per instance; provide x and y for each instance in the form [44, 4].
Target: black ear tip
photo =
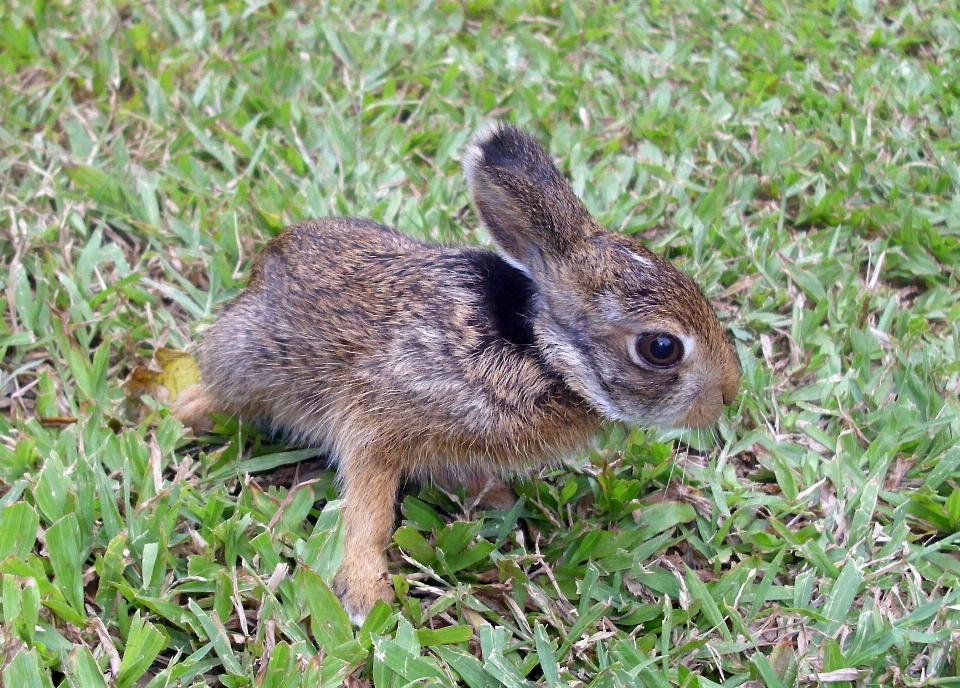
[478, 152]
[504, 146]
[496, 134]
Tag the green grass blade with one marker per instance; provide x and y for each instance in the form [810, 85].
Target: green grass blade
[63, 542]
[144, 642]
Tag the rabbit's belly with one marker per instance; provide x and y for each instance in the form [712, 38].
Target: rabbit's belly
[463, 427]
[469, 432]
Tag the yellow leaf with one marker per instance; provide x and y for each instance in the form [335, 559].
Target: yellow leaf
[178, 371]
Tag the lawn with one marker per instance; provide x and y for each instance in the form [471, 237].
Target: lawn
[799, 159]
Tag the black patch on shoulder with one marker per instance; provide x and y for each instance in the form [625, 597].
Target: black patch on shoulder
[508, 296]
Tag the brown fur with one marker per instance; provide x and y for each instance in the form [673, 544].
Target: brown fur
[404, 359]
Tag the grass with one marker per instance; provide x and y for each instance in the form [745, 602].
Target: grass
[799, 158]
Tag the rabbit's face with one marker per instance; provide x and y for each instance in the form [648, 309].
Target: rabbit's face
[635, 336]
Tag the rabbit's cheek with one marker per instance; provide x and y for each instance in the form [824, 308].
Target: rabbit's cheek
[709, 391]
[581, 376]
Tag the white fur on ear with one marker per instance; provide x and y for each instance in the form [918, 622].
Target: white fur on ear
[473, 155]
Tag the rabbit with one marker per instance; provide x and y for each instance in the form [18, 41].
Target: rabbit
[408, 360]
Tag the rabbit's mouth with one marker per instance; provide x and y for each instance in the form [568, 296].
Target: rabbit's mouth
[705, 405]
[702, 414]
[695, 405]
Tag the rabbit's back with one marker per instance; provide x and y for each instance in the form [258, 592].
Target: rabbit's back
[352, 333]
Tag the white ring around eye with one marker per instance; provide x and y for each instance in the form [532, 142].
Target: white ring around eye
[689, 344]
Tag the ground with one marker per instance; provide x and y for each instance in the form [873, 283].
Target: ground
[799, 159]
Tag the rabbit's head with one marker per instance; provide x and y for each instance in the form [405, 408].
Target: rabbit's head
[626, 330]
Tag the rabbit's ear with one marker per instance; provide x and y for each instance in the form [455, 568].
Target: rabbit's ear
[522, 198]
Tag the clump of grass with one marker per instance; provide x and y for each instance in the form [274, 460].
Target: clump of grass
[800, 160]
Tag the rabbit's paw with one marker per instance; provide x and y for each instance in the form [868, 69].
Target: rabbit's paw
[488, 491]
[359, 588]
[497, 495]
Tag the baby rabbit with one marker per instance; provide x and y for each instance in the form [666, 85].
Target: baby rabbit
[403, 359]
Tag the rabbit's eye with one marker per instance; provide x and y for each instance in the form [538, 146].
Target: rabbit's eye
[660, 350]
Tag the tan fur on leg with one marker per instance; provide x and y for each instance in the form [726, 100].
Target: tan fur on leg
[370, 490]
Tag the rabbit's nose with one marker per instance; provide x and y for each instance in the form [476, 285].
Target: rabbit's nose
[729, 389]
[730, 378]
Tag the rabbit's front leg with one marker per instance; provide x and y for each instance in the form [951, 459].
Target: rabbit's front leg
[370, 490]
